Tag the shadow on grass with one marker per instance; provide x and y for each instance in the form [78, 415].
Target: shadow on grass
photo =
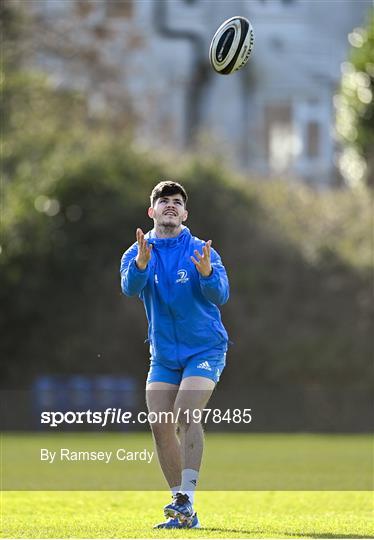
[295, 534]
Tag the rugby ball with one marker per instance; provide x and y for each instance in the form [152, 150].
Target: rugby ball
[231, 45]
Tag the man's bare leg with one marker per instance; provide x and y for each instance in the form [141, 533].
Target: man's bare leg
[193, 395]
[160, 398]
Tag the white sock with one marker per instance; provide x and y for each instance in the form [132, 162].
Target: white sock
[189, 482]
[175, 490]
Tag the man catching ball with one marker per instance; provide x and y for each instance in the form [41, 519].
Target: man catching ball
[181, 281]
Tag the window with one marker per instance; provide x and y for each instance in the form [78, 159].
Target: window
[119, 8]
[312, 139]
[282, 145]
[84, 8]
[280, 1]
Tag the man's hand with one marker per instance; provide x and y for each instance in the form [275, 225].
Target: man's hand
[144, 251]
[203, 263]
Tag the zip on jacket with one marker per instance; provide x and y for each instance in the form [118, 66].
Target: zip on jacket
[180, 304]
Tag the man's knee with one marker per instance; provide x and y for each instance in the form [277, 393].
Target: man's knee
[163, 431]
[185, 416]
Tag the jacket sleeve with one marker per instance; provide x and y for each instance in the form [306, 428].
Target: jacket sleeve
[215, 287]
[133, 280]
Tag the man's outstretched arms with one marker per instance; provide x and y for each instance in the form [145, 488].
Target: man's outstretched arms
[213, 278]
[134, 266]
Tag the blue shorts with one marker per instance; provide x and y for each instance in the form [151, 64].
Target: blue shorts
[210, 367]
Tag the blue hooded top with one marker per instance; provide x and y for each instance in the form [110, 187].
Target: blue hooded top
[180, 304]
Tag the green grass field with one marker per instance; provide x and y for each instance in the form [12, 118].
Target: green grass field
[223, 515]
[269, 470]
[232, 462]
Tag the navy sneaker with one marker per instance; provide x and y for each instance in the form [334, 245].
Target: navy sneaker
[174, 523]
[180, 508]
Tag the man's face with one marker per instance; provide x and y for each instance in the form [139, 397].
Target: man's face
[168, 211]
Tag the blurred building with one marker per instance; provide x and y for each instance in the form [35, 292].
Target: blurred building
[275, 117]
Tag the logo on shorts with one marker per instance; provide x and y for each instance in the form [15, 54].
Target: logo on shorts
[182, 276]
[205, 365]
[156, 279]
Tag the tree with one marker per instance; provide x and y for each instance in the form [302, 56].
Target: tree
[355, 108]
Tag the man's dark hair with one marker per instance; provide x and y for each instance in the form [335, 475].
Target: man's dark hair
[166, 189]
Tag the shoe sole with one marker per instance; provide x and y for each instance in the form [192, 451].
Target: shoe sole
[197, 526]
